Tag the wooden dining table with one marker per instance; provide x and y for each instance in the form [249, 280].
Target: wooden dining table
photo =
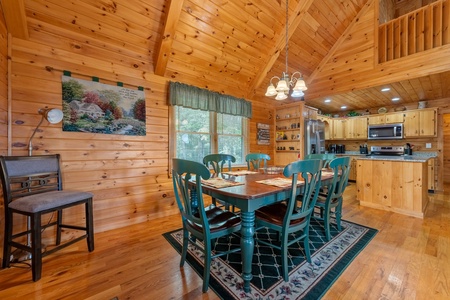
[249, 195]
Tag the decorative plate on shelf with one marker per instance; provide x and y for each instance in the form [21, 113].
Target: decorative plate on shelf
[382, 110]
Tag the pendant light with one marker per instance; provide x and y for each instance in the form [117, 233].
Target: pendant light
[284, 83]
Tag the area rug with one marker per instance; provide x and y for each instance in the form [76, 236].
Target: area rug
[306, 281]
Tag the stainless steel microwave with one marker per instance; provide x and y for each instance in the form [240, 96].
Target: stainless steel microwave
[385, 132]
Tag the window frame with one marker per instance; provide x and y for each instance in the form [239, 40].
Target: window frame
[213, 134]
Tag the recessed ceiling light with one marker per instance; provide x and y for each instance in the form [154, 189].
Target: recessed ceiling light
[343, 107]
[327, 100]
[385, 89]
[395, 99]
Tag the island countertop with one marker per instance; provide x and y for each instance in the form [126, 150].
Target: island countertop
[416, 157]
[406, 158]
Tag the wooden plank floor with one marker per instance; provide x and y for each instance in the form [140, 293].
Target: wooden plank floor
[408, 259]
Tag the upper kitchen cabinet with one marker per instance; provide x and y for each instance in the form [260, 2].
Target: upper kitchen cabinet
[420, 123]
[328, 125]
[356, 128]
[338, 129]
[390, 118]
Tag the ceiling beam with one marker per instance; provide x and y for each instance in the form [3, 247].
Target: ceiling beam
[172, 17]
[15, 18]
[294, 20]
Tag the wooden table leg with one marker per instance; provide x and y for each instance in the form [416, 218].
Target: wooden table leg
[247, 247]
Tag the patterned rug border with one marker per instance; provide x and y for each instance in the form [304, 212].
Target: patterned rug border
[315, 290]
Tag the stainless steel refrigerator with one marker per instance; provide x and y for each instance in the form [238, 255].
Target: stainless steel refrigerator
[314, 137]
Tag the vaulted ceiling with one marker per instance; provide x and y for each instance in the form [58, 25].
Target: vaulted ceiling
[230, 46]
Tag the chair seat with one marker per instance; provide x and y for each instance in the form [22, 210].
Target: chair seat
[275, 214]
[48, 200]
[219, 219]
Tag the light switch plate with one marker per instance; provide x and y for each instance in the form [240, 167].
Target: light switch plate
[428, 145]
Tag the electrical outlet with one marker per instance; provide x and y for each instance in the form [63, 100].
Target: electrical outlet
[428, 145]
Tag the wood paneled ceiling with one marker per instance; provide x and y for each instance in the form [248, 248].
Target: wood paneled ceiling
[230, 46]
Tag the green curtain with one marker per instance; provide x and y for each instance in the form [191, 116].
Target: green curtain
[197, 98]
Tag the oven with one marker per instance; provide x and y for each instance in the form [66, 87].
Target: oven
[387, 151]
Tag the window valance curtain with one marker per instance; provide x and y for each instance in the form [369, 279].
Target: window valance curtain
[194, 97]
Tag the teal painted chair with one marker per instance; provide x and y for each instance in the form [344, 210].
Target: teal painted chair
[219, 163]
[292, 216]
[325, 157]
[256, 161]
[200, 223]
[330, 204]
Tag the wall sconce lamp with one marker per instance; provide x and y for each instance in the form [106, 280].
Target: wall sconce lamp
[52, 115]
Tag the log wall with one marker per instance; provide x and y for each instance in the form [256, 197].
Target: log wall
[3, 107]
[127, 174]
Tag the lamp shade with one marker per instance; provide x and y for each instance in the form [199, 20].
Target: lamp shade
[53, 115]
[281, 96]
[300, 85]
[271, 91]
[282, 86]
[297, 94]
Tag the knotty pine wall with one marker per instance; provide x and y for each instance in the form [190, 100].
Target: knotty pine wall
[127, 174]
[3, 107]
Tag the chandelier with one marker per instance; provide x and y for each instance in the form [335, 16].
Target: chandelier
[284, 83]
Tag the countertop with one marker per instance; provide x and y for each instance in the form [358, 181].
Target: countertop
[416, 157]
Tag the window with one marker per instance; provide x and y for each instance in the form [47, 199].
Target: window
[200, 132]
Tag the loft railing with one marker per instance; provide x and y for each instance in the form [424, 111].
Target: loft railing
[420, 30]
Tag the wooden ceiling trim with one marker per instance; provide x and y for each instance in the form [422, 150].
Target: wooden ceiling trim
[15, 17]
[166, 41]
[340, 41]
[294, 20]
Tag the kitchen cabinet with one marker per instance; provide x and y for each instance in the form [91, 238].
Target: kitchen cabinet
[352, 173]
[390, 118]
[398, 186]
[328, 125]
[377, 119]
[431, 175]
[356, 128]
[394, 118]
[420, 123]
[338, 129]
[289, 124]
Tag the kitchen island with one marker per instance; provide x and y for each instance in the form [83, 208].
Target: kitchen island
[393, 183]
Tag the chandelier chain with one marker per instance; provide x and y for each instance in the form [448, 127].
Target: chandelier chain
[287, 37]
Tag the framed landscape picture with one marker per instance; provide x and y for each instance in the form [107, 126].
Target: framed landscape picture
[91, 106]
